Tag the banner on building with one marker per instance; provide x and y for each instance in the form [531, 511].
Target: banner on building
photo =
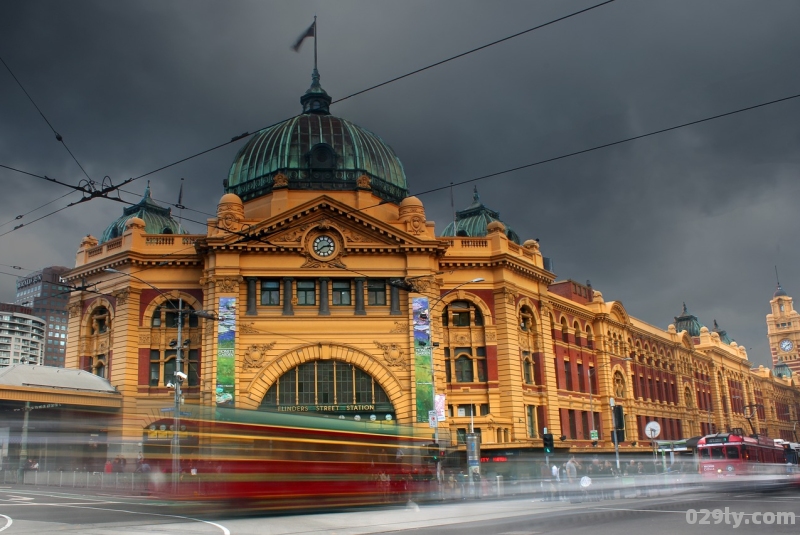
[423, 364]
[226, 344]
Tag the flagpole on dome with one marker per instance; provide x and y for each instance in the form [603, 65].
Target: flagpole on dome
[179, 206]
[315, 42]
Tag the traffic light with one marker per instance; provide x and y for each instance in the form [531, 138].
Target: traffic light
[619, 424]
[433, 453]
[547, 439]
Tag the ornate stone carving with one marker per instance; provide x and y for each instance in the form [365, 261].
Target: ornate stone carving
[619, 385]
[511, 294]
[248, 328]
[422, 285]
[393, 355]
[363, 182]
[228, 284]
[461, 339]
[255, 355]
[122, 296]
[194, 339]
[415, 225]
[75, 310]
[144, 339]
[324, 224]
[280, 181]
[524, 342]
[312, 262]
[491, 336]
[399, 328]
[293, 235]
[354, 237]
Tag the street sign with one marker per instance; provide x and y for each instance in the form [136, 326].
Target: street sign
[168, 409]
[652, 429]
[186, 413]
[594, 434]
[432, 420]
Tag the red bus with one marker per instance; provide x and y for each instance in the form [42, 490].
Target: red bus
[280, 461]
[726, 455]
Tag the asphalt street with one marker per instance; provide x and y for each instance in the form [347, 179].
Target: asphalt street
[38, 511]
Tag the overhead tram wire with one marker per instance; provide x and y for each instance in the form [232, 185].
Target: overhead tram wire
[105, 191]
[58, 136]
[21, 216]
[382, 84]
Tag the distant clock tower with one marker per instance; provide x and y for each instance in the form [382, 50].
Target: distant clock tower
[783, 331]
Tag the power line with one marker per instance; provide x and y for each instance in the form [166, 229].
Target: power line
[58, 136]
[21, 216]
[432, 65]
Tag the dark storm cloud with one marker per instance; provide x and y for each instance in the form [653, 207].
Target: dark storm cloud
[698, 215]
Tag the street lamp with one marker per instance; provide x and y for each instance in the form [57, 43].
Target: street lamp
[591, 406]
[179, 375]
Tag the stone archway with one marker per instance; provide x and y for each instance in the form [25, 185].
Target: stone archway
[253, 395]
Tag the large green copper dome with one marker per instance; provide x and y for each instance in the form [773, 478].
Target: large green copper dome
[157, 219]
[318, 151]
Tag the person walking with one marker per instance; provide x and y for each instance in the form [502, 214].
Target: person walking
[572, 478]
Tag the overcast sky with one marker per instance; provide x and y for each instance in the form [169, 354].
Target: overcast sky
[699, 215]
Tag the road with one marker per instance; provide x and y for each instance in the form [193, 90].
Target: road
[39, 512]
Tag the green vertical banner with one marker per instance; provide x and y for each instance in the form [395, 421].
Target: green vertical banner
[423, 362]
[226, 343]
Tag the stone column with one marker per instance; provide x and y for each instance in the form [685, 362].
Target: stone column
[360, 311]
[251, 296]
[394, 298]
[287, 297]
[324, 308]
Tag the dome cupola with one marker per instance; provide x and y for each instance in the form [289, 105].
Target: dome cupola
[316, 151]
[157, 219]
[474, 221]
[688, 322]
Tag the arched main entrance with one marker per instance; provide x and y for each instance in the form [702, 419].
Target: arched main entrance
[329, 380]
[331, 388]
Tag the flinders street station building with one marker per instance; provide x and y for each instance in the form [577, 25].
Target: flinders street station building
[333, 294]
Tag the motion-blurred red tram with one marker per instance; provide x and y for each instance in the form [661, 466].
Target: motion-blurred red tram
[279, 461]
[727, 454]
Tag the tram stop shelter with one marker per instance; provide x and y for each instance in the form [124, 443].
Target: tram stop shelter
[54, 419]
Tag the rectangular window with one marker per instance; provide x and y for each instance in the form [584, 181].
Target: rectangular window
[581, 379]
[155, 367]
[288, 388]
[344, 383]
[484, 409]
[461, 436]
[585, 422]
[460, 319]
[341, 293]
[481, 363]
[376, 292]
[305, 383]
[573, 426]
[567, 375]
[325, 382]
[271, 292]
[531, 421]
[363, 387]
[306, 292]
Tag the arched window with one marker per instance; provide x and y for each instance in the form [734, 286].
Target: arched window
[464, 372]
[166, 315]
[326, 383]
[100, 320]
[99, 365]
[577, 327]
[564, 330]
[619, 385]
[527, 368]
[462, 314]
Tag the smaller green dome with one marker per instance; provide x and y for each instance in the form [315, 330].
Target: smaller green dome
[473, 221]
[723, 335]
[688, 322]
[157, 219]
[782, 370]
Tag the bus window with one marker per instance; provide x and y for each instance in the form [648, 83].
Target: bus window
[703, 453]
[716, 453]
[731, 452]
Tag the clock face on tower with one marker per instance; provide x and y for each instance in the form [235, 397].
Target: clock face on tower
[786, 345]
[324, 245]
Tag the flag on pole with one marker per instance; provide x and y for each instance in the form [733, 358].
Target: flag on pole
[180, 196]
[310, 32]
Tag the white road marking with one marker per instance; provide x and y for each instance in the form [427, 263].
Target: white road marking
[8, 524]
[225, 530]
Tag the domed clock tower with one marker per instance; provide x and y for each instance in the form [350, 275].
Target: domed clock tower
[783, 331]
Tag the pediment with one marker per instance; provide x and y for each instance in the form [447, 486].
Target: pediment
[355, 230]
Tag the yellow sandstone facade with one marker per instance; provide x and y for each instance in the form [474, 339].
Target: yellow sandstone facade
[313, 264]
